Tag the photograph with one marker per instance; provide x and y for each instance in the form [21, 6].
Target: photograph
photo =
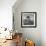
[22, 22]
[28, 19]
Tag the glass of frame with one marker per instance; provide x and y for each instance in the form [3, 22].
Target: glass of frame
[28, 19]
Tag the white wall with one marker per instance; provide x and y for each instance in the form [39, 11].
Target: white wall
[6, 13]
[43, 22]
[35, 34]
[29, 6]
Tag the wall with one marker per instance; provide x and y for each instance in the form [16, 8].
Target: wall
[29, 33]
[6, 13]
[43, 22]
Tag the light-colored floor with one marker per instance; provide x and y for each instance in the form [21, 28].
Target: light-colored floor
[9, 43]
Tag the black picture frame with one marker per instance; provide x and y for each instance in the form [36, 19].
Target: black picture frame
[28, 19]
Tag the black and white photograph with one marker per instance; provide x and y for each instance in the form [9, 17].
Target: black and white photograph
[28, 19]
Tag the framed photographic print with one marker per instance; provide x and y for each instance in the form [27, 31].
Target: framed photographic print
[28, 19]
